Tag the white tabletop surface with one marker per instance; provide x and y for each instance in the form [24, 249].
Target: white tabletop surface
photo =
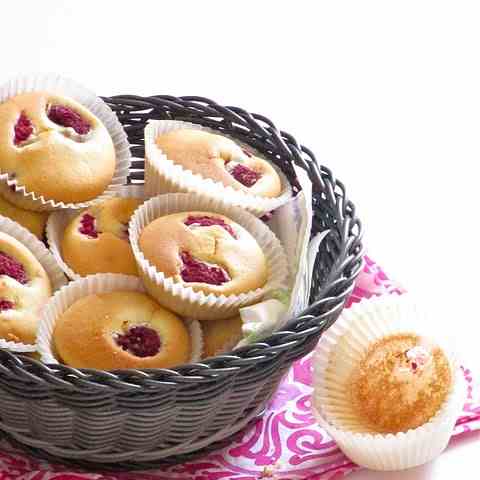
[387, 94]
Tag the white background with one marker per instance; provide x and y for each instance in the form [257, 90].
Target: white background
[387, 94]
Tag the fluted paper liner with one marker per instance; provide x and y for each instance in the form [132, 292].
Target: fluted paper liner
[196, 334]
[184, 300]
[340, 349]
[41, 253]
[95, 284]
[162, 175]
[59, 220]
[63, 86]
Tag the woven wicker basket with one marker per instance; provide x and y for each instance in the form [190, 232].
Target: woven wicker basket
[144, 419]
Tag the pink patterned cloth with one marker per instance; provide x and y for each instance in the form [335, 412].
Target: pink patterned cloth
[286, 444]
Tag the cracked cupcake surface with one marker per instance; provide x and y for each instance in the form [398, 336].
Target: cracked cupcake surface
[24, 290]
[55, 148]
[205, 251]
[220, 159]
[208, 221]
[122, 329]
[96, 241]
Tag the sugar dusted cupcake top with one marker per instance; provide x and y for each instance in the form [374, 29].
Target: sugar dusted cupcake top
[400, 384]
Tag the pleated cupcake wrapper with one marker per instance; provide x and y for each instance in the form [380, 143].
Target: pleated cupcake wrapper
[184, 300]
[95, 284]
[196, 333]
[41, 253]
[162, 175]
[340, 349]
[62, 86]
[59, 220]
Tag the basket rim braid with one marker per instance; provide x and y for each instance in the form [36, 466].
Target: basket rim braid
[255, 369]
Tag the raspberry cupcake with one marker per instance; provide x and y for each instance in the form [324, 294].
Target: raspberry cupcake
[24, 290]
[221, 159]
[28, 276]
[35, 222]
[388, 394]
[206, 251]
[119, 330]
[96, 240]
[205, 262]
[182, 157]
[60, 146]
[117, 327]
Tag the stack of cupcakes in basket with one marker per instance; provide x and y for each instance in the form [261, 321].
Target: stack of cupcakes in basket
[158, 272]
[61, 148]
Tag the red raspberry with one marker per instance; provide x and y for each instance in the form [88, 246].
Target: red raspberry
[87, 226]
[12, 268]
[6, 305]
[246, 176]
[23, 129]
[140, 341]
[66, 117]
[196, 271]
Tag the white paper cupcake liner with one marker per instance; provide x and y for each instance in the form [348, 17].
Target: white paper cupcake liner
[162, 175]
[95, 284]
[347, 341]
[41, 253]
[59, 220]
[196, 334]
[58, 85]
[184, 300]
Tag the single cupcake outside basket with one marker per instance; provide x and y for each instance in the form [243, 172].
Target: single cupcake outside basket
[339, 353]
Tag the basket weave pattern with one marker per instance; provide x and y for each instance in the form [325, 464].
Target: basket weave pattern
[141, 419]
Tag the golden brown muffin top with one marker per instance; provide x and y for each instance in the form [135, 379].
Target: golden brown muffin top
[96, 241]
[219, 158]
[121, 329]
[205, 251]
[401, 383]
[55, 147]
